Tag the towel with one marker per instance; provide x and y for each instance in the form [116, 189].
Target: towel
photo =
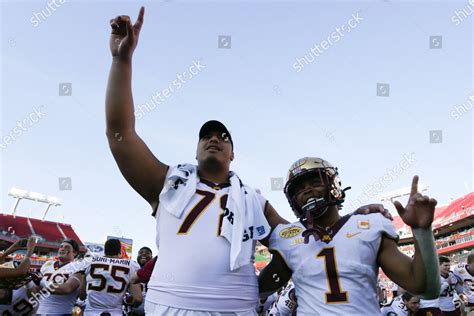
[244, 219]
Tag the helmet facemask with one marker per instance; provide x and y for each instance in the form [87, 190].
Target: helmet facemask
[315, 206]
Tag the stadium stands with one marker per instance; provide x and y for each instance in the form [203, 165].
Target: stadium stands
[452, 226]
[51, 234]
[17, 226]
[22, 227]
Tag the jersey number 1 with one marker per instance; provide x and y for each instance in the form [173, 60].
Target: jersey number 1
[335, 294]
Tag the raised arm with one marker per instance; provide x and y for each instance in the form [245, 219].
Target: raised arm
[142, 170]
[420, 275]
[14, 247]
[24, 266]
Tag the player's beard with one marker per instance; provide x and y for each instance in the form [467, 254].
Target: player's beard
[212, 164]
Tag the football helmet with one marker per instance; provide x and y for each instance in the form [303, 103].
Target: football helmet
[325, 175]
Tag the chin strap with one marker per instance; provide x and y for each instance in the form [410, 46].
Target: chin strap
[310, 229]
[323, 234]
[310, 208]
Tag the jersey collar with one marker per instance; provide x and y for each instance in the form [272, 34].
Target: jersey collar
[327, 234]
[215, 186]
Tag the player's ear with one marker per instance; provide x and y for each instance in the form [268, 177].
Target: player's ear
[232, 156]
[197, 151]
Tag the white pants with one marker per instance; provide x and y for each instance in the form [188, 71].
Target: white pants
[162, 310]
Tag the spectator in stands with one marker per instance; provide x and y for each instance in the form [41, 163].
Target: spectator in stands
[23, 268]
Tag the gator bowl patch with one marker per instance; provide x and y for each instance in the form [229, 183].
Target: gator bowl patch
[290, 232]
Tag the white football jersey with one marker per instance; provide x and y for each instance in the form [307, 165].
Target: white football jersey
[265, 306]
[340, 276]
[394, 286]
[57, 304]
[446, 295]
[193, 268]
[285, 305]
[107, 281]
[396, 308]
[434, 303]
[21, 304]
[465, 278]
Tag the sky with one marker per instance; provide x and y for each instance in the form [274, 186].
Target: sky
[381, 89]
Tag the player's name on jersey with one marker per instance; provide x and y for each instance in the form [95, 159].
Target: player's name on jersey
[111, 260]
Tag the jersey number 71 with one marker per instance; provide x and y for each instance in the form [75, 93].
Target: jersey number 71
[199, 208]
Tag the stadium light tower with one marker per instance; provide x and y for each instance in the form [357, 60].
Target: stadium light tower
[19, 194]
[389, 196]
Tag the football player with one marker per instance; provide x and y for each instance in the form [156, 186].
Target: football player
[449, 285]
[403, 305]
[58, 285]
[107, 279]
[286, 303]
[14, 279]
[336, 273]
[145, 255]
[206, 285]
[195, 234]
[464, 272]
[21, 302]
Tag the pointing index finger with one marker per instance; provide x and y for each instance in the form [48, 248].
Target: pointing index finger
[139, 22]
[414, 186]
